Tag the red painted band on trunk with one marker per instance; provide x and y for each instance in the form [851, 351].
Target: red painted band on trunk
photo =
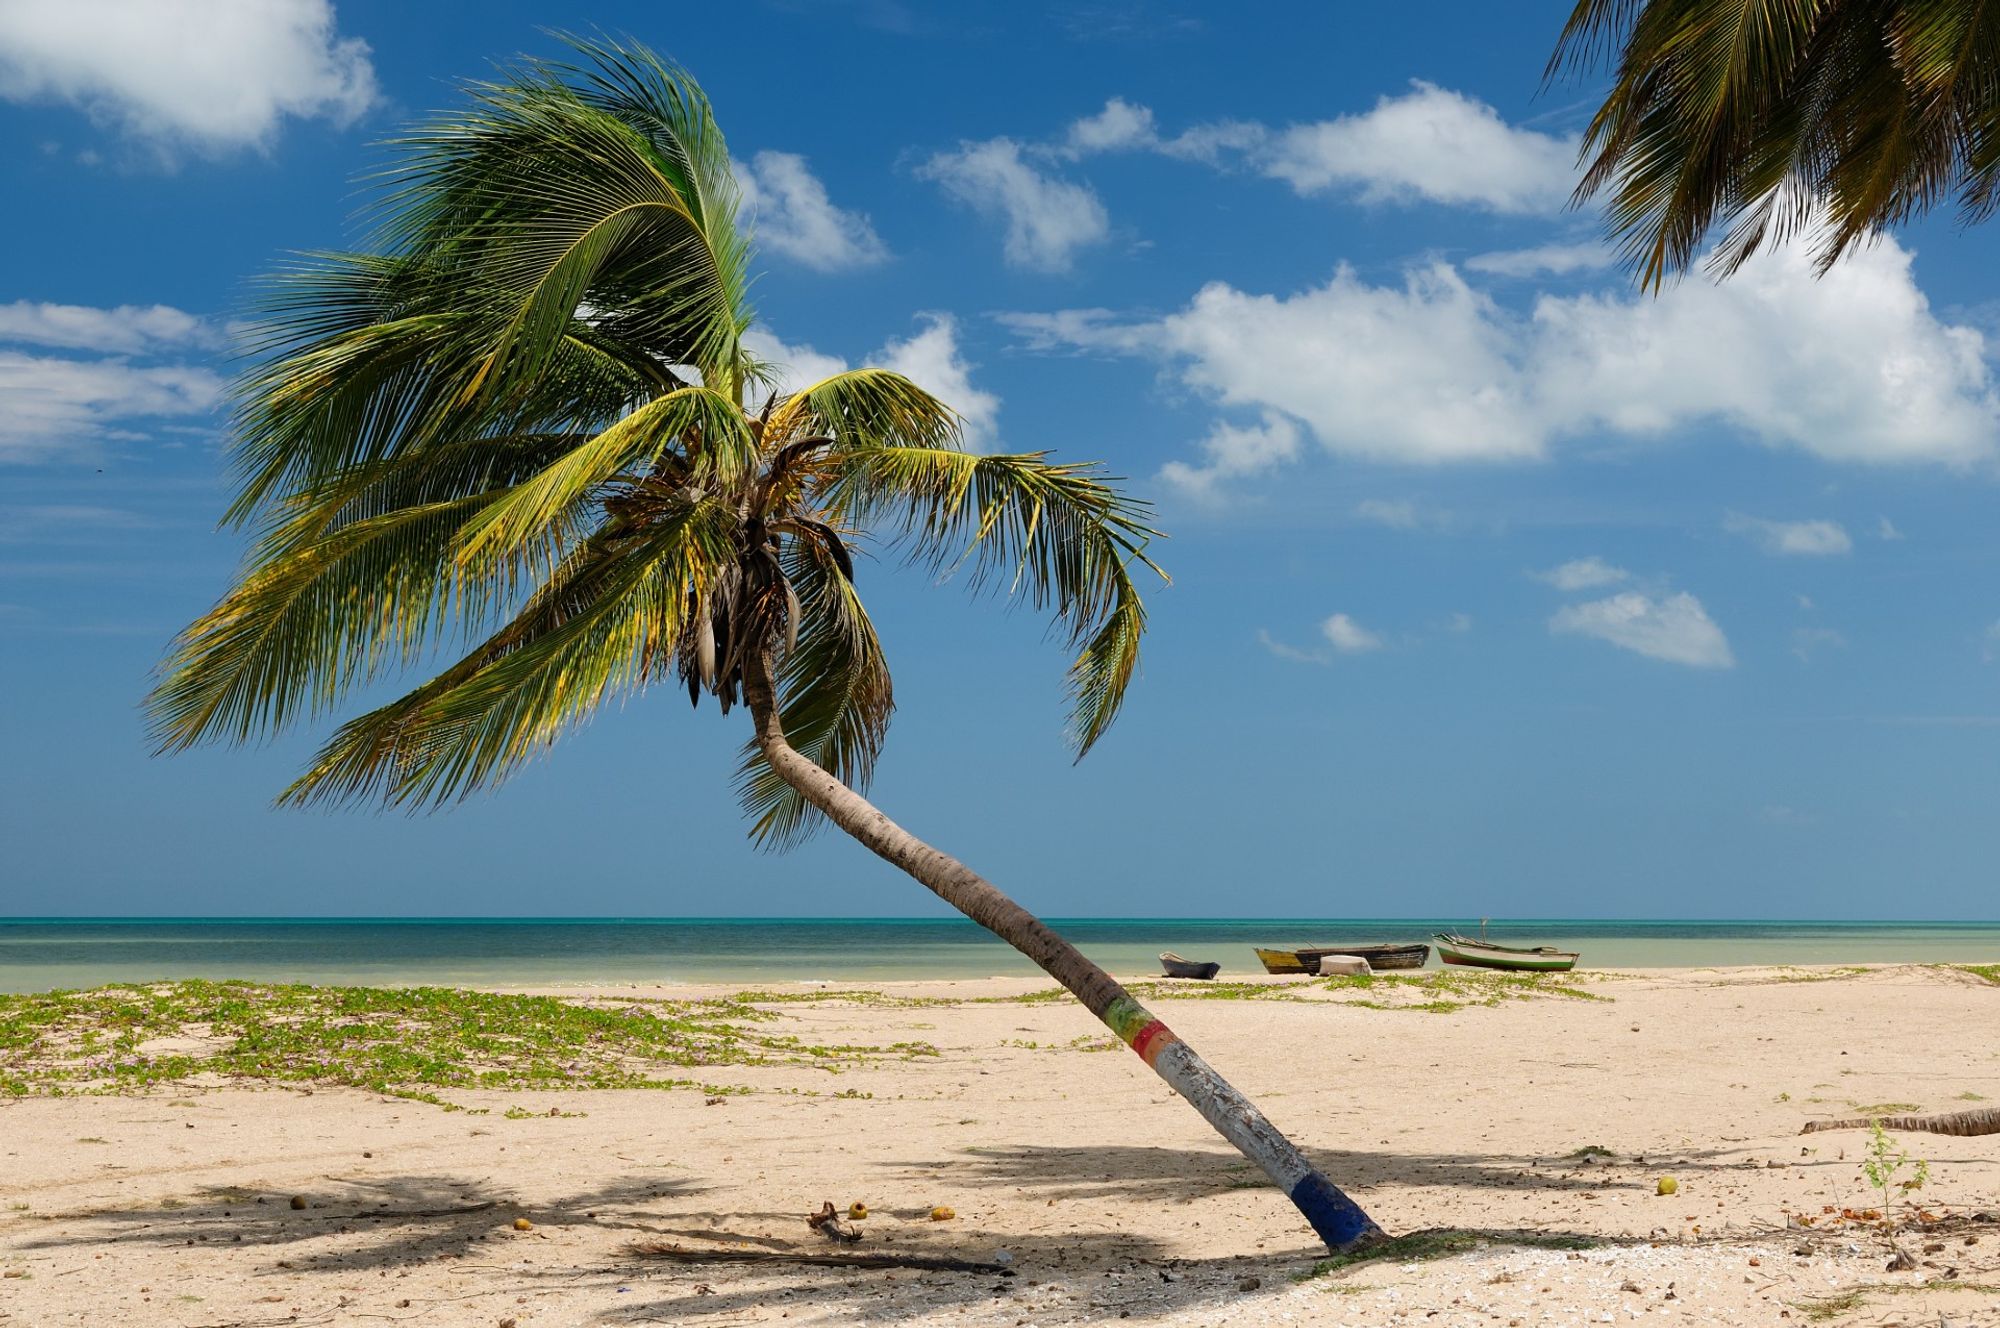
[1153, 1039]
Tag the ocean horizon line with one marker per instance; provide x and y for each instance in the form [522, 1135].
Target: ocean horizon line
[224, 919]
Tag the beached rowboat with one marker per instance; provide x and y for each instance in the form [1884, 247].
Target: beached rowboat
[1379, 954]
[1454, 949]
[1177, 967]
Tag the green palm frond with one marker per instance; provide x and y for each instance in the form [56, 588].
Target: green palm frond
[864, 406]
[1774, 118]
[702, 429]
[1059, 534]
[606, 181]
[329, 397]
[358, 576]
[610, 621]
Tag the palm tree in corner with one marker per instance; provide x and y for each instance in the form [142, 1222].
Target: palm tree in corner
[526, 418]
[1775, 118]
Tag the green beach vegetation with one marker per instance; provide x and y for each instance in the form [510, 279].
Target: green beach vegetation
[407, 1042]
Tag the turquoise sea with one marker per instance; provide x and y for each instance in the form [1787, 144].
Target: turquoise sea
[39, 954]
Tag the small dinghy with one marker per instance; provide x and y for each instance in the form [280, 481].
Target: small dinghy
[1454, 949]
[1177, 967]
[1380, 955]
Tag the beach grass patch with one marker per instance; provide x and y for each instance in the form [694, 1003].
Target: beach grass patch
[1443, 991]
[1792, 973]
[1819, 1309]
[1988, 972]
[405, 1042]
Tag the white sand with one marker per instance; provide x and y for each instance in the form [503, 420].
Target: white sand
[1111, 1197]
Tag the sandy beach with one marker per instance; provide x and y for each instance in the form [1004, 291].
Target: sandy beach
[1534, 1130]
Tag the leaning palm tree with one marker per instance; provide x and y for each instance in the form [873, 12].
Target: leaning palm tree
[1828, 118]
[526, 421]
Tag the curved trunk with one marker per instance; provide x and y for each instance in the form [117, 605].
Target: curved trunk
[1337, 1219]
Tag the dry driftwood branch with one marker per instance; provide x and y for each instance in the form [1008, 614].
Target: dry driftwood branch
[1985, 1120]
[827, 1222]
[929, 1262]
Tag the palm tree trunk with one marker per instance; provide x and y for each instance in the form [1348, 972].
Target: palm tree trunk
[1337, 1219]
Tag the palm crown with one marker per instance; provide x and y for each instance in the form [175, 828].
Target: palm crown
[1834, 117]
[524, 427]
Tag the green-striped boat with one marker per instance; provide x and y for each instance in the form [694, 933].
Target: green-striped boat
[1455, 949]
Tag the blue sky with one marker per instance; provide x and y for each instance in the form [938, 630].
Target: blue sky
[1498, 589]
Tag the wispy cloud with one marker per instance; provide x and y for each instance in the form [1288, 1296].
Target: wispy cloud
[1430, 144]
[63, 409]
[1289, 653]
[126, 330]
[1348, 636]
[1808, 539]
[1232, 451]
[793, 216]
[1672, 627]
[1548, 260]
[1583, 574]
[1048, 219]
[1808, 641]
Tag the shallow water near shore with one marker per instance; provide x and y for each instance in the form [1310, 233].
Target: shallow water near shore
[44, 954]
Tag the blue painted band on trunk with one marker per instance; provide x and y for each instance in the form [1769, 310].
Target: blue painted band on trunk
[1337, 1218]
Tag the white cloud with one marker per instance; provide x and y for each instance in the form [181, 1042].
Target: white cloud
[128, 329]
[1886, 530]
[1232, 451]
[794, 216]
[1429, 144]
[1120, 126]
[1287, 652]
[1808, 641]
[929, 357]
[63, 409]
[1673, 627]
[1395, 513]
[1048, 219]
[1583, 574]
[1421, 373]
[207, 74]
[1852, 367]
[1555, 260]
[1348, 636]
[1432, 144]
[1812, 539]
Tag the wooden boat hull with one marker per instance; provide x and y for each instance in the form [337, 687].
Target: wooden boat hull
[1380, 956]
[1468, 953]
[1176, 967]
[1280, 961]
